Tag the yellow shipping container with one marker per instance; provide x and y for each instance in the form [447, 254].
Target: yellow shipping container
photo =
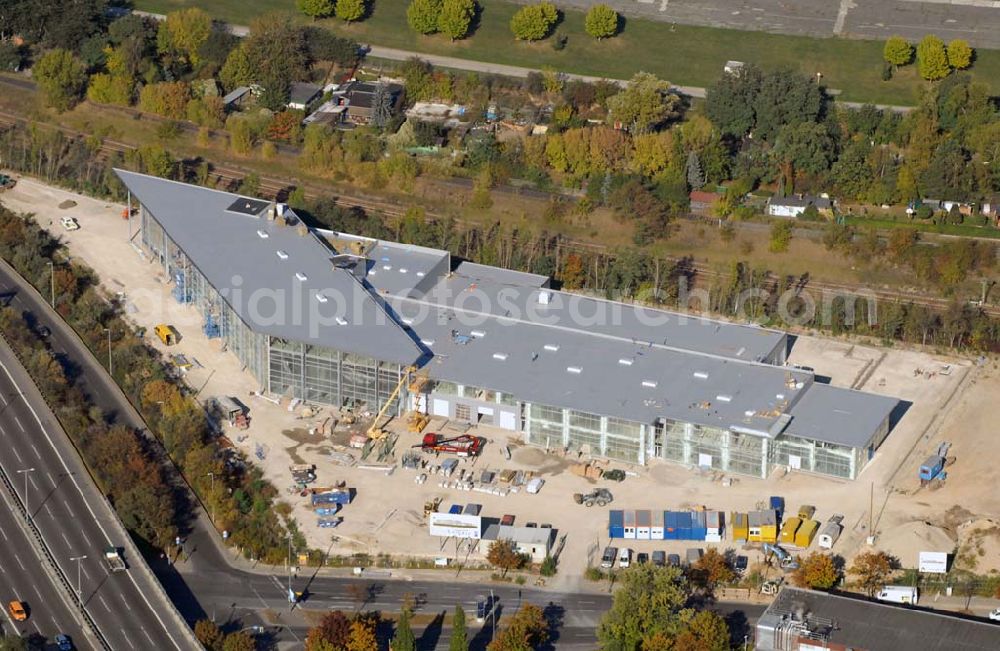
[763, 526]
[788, 529]
[804, 536]
[738, 525]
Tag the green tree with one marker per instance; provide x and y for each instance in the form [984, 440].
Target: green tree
[703, 631]
[649, 600]
[527, 630]
[872, 569]
[455, 18]
[816, 571]
[315, 8]
[601, 22]
[238, 70]
[350, 10]
[404, 640]
[786, 98]
[897, 51]
[459, 635]
[422, 16]
[533, 22]
[959, 54]
[108, 89]
[781, 236]
[711, 570]
[695, 177]
[61, 77]
[803, 147]
[362, 636]
[184, 31]
[730, 101]
[932, 59]
[645, 104]
[11, 642]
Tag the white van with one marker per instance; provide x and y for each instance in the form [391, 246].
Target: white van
[898, 594]
[624, 557]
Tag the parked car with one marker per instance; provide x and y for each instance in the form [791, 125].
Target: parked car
[507, 520]
[995, 614]
[642, 558]
[659, 558]
[674, 560]
[609, 557]
[482, 608]
[531, 525]
[18, 611]
[535, 485]
[740, 564]
[545, 525]
[70, 224]
[624, 557]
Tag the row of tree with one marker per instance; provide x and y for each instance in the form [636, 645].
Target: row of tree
[934, 59]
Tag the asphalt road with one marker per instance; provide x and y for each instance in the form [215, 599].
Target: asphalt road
[73, 518]
[22, 578]
[978, 21]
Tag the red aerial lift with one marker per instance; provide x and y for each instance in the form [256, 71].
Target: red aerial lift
[463, 446]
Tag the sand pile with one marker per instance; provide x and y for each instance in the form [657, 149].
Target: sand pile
[529, 456]
[907, 540]
[979, 546]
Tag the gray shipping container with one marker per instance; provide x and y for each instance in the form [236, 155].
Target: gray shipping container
[643, 519]
[630, 524]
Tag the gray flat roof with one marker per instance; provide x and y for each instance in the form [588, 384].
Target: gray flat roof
[240, 255]
[523, 535]
[877, 626]
[841, 416]
[601, 373]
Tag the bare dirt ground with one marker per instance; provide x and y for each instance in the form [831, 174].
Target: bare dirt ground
[949, 399]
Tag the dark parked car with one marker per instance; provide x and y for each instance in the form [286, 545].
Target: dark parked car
[674, 559]
[740, 565]
[532, 525]
[642, 558]
[659, 558]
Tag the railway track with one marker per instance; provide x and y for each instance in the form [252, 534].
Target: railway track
[278, 189]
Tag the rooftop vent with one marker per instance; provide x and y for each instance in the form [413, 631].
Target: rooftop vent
[500, 356]
[427, 342]
[341, 320]
[282, 254]
[701, 375]
[407, 320]
[649, 384]
[626, 361]
[478, 334]
[262, 234]
[387, 267]
[552, 348]
[420, 274]
[321, 298]
[301, 276]
[724, 398]
[544, 298]
[576, 370]
[402, 270]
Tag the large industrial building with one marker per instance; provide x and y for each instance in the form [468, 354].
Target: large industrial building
[342, 320]
[806, 620]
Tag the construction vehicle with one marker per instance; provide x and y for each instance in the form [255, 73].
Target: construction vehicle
[598, 496]
[375, 431]
[463, 446]
[166, 333]
[113, 557]
[7, 182]
[416, 422]
[431, 507]
[785, 560]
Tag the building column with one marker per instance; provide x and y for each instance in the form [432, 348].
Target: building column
[565, 425]
[688, 433]
[642, 445]
[527, 423]
[724, 450]
[340, 379]
[604, 436]
[765, 454]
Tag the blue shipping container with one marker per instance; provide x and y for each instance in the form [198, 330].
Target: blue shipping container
[616, 524]
[456, 509]
[333, 497]
[616, 532]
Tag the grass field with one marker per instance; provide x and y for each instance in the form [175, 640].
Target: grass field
[686, 55]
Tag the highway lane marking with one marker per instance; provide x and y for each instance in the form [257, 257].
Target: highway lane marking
[143, 629]
[48, 511]
[20, 564]
[19, 425]
[20, 394]
[65, 539]
[17, 454]
[3, 533]
[125, 635]
[104, 603]
[36, 451]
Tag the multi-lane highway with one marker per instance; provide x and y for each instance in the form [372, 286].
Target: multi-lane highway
[73, 518]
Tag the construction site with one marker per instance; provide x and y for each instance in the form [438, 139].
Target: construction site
[399, 426]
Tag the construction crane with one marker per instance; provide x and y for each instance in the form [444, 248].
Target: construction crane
[375, 431]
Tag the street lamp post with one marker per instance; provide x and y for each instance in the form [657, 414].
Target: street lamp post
[52, 283]
[493, 616]
[25, 472]
[79, 592]
[111, 371]
[291, 595]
